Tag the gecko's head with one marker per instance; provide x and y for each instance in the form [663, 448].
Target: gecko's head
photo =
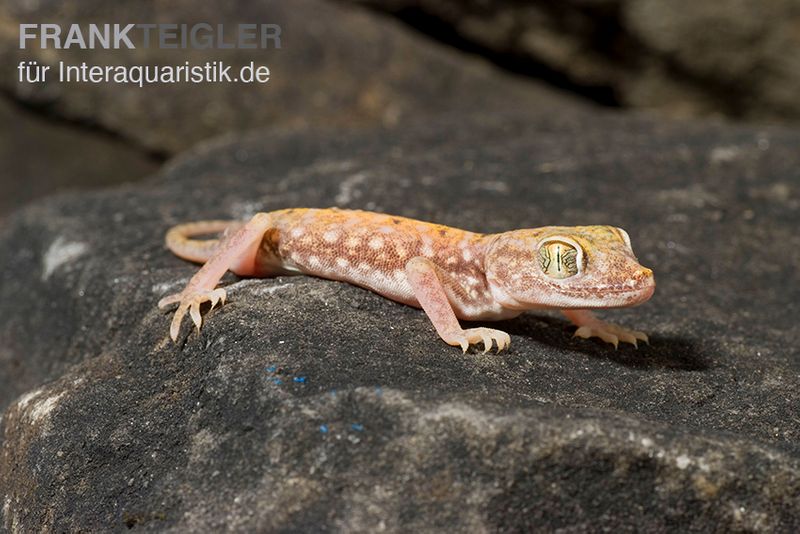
[567, 267]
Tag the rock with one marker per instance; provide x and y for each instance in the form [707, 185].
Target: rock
[39, 158]
[306, 404]
[733, 58]
[338, 67]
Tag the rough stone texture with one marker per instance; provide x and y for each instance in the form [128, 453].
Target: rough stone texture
[109, 425]
[338, 66]
[39, 157]
[738, 58]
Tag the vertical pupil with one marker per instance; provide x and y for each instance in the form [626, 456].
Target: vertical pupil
[558, 259]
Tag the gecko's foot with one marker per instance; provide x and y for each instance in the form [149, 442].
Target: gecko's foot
[190, 300]
[611, 333]
[487, 336]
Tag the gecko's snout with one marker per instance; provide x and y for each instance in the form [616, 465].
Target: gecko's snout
[644, 279]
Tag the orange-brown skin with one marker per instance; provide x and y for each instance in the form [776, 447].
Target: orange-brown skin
[450, 273]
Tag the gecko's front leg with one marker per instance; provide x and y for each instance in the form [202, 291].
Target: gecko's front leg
[428, 281]
[236, 252]
[590, 326]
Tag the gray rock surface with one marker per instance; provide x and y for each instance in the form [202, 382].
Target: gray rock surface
[108, 425]
[338, 66]
[737, 58]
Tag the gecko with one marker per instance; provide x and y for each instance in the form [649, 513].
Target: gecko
[450, 273]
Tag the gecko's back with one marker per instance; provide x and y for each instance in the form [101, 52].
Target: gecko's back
[368, 249]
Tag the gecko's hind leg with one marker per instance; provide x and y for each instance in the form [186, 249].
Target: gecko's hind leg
[236, 252]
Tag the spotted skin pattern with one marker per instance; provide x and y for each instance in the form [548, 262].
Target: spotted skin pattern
[450, 273]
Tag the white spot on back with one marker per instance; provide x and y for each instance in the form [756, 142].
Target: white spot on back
[376, 242]
[331, 236]
[342, 263]
[60, 252]
[297, 231]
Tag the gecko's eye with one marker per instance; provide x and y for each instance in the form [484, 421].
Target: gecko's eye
[558, 259]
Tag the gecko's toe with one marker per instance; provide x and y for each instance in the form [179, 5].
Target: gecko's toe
[627, 337]
[217, 296]
[169, 299]
[503, 342]
[194, 312]
[584, 331]
[609, 338]
[487, 342]
[175, 326]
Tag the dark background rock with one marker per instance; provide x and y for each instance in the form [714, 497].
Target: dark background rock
[338, 67]
[109, 425]
[40, 157]
[731, 58]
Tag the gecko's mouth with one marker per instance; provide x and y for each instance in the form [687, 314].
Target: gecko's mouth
[632, 292]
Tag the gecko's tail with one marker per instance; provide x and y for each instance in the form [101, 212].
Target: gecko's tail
[179, 238]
